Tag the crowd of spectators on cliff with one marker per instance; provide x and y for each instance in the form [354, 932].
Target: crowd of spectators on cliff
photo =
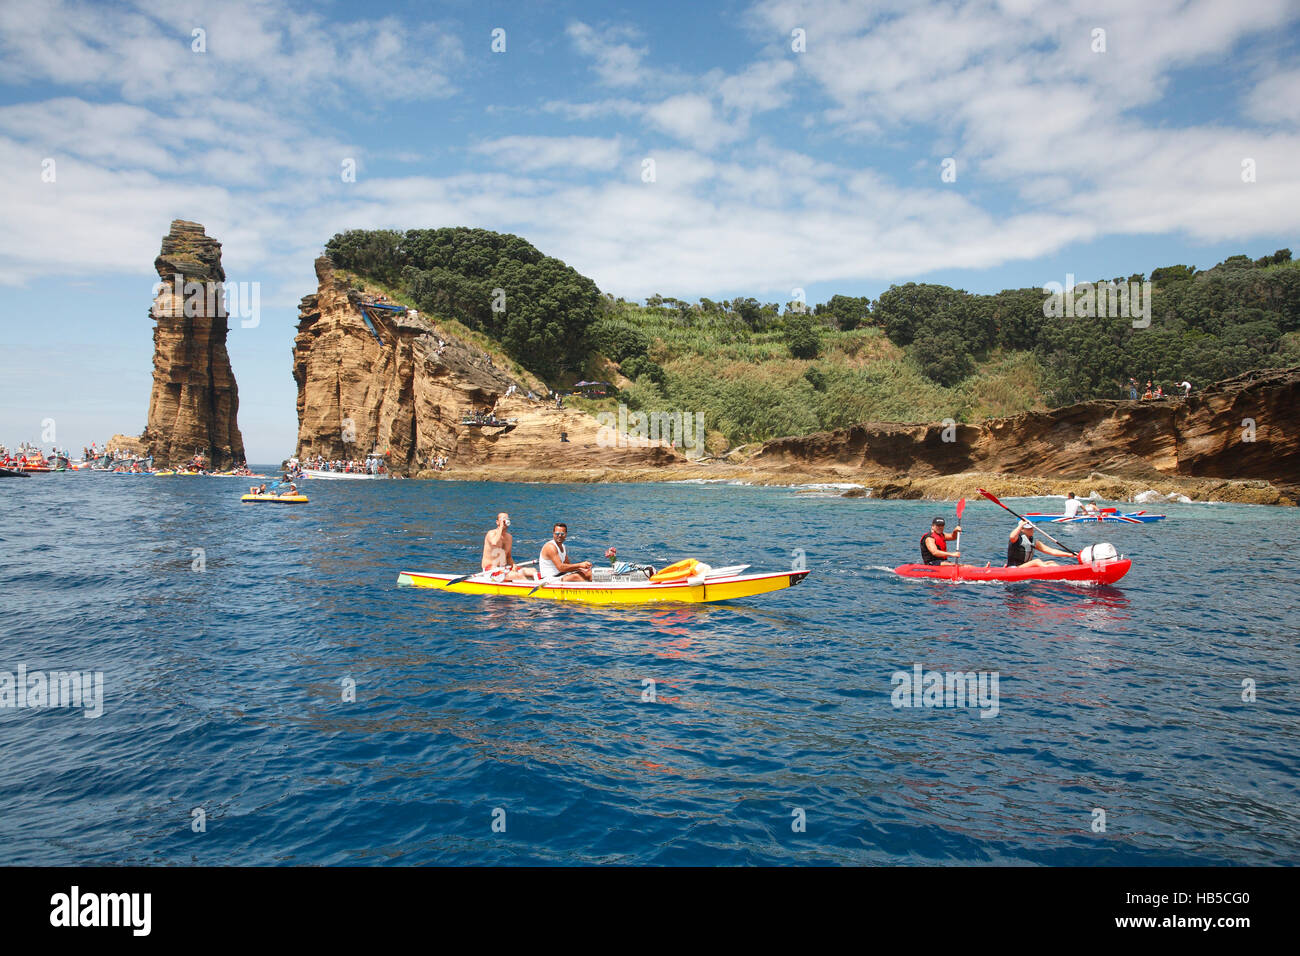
[1156, 391]
[476, 417]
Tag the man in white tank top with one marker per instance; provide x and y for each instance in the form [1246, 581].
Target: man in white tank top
[554, 563]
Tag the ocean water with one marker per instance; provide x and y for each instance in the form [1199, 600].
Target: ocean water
[495, 731]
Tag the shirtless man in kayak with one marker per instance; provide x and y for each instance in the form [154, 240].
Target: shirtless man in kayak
[1021, 546]
[934, 543]
[498, 551]
[554, 560]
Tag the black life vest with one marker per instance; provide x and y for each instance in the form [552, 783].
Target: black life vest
[1019, 551]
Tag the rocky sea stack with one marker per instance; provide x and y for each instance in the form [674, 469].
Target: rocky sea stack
[194, 405]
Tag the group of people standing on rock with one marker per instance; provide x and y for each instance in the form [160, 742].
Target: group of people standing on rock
[552, 563]
[1156, 392]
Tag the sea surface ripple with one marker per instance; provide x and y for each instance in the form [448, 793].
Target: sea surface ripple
[771, 737]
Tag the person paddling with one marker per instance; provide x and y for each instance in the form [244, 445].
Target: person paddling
[553, 563]
[934, 543]
[498, 552]
[1021, 546]
[1072, 505]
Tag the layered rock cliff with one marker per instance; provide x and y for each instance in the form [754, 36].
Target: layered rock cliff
[1246, 427]
[395, 383]
[194, 405]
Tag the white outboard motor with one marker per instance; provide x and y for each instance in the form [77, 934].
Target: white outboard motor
[1102, 551]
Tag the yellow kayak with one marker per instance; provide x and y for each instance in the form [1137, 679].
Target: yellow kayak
[160, 474]
[697, 590]
[277, 499]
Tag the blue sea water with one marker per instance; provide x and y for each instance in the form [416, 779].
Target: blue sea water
[772, 737]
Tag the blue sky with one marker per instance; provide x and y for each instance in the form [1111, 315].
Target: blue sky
[775, 168]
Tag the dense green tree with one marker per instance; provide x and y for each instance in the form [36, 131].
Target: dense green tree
[902, 310]
[642, 367]
[1172, 273]
[942, 354]
[618, 339]
[750, 311]
[800, 333]
[847, 312]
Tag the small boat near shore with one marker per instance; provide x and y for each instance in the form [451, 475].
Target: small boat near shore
[319, 473]
[723, 585]
[1134, 517]
[274, 499]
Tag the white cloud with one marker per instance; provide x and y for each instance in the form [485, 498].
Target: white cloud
[1011, 90]
[1276, 99]
[616, 63]
[530, 153]
[253, 49]
[691, 118]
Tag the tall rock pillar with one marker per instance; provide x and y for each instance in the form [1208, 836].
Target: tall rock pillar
[194, 406]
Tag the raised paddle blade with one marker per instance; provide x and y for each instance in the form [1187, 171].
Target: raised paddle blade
[961, 506]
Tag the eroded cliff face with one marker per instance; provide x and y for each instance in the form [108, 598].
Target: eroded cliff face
[194, 405]
[1244, 428]
[399, 385]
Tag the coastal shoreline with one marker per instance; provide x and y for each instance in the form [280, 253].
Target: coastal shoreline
[903, 486]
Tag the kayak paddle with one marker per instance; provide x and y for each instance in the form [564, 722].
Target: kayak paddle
[993, 499]
[466, 577]
[961, 506]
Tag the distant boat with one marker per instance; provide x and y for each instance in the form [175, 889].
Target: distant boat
[317, 473]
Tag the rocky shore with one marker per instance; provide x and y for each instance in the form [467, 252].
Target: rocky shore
[935, 488]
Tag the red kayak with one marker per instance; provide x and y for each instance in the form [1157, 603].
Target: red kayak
[1097, 572]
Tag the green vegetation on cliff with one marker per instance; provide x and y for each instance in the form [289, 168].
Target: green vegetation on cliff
[923, 352]
[538, 308]
[918, 353]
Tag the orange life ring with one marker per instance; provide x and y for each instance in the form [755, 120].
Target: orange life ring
[676, 572]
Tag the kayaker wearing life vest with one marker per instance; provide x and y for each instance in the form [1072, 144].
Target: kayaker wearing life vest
[498, 551]
[554, 559]
[934, 542]
[1021, 546]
